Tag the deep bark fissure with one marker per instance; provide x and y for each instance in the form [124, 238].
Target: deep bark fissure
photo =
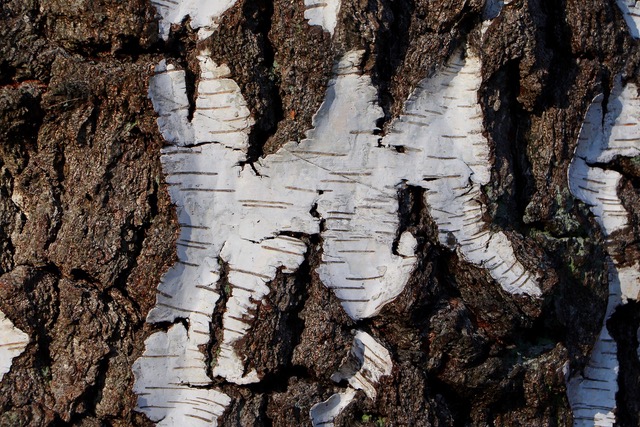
[624, 325]
[216, 329]
[392, 42]
[258, 15]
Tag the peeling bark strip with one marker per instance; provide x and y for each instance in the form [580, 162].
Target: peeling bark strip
[602, 138]
[203, 190]
[12, 343]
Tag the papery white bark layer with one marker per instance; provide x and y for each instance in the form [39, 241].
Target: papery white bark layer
[203, 14]
[251, 267]
[166, 374]
[322, 414]
[323, 13]
[12, 343]
[631, 11]
[602, 138]
[358, 180]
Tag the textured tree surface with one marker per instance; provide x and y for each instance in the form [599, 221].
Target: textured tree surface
[88, 228]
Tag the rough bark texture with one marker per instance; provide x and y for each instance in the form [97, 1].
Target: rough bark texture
[87, 227]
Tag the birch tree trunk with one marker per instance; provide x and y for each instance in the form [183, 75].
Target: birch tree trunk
[349, 213]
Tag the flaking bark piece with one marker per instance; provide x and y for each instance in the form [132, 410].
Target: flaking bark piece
[12, 343]
[322, 414]
[323, 13]
[368, 361]
[202, 166]
[203, 13]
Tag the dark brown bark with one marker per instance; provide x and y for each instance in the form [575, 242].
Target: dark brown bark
[87, 227]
